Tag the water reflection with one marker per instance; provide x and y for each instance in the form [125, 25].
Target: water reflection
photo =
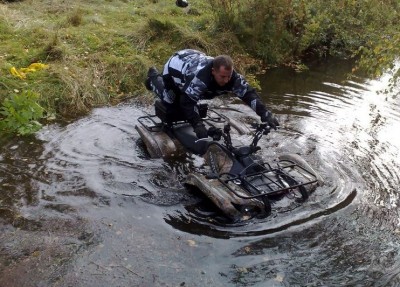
[350, 116]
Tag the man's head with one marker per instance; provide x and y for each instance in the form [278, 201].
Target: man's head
[222, 69]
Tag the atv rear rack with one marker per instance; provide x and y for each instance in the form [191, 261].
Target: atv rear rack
[268, 182]
[153, 123]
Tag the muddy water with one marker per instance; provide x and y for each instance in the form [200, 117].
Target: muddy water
[82, 204]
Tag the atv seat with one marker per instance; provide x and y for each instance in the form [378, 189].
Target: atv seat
[176, 115]
[184, 134]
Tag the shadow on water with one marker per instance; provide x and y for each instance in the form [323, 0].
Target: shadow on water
[227, 230]
[84, 205]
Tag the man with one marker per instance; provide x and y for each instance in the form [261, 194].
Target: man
[190, 76]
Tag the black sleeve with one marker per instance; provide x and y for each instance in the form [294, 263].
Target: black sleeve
[190, 110]
[252, 99]
[248, 94]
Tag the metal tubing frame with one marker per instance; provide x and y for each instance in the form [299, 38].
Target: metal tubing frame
[271, 182]
[157, 126]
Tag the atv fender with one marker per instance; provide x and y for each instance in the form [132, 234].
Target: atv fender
[225, 200]
[240, 127]
[158, 143]
[295, 158]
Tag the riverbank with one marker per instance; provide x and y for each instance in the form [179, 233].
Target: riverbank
[96, 53]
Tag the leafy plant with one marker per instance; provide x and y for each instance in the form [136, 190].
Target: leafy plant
[20, 113]
[282, 31]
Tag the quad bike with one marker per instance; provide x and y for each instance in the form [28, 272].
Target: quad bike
[237, 180]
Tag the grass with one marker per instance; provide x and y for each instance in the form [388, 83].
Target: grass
[98, 52]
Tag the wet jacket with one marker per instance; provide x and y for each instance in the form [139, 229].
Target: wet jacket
[188, 73]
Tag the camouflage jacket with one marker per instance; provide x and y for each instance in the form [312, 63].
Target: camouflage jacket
[189, 73]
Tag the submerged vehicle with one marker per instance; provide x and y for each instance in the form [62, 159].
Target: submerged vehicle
[237, 180]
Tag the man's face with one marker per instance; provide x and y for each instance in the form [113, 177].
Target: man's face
[222, 75]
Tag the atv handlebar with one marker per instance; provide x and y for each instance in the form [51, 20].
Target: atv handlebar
[261, 129]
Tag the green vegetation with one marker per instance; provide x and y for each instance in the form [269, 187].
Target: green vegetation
[21, 113]
[290, 31]
[98, 52]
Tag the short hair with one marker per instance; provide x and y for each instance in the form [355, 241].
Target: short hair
[223, 61]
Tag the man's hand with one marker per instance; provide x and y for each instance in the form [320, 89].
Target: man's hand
[270, 119]
[200, 130]
[214, 133]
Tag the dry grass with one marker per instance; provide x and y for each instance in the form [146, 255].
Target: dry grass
[97, 51]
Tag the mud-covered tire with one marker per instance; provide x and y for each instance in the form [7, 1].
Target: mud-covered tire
[304, 193]
[288, 179]
[295, 158]
[267, 206]
[218, 160]
[256, 211]
[158, 144]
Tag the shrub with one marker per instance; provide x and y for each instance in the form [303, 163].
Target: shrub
[20, 113]
[279, 31]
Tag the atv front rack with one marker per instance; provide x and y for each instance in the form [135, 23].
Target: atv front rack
[269, 181]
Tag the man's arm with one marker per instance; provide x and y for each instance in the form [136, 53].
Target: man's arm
[252, 99]
[249, 95]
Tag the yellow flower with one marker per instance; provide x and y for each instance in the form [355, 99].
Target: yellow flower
[20, 73]
[35, 67]
[16, 73]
